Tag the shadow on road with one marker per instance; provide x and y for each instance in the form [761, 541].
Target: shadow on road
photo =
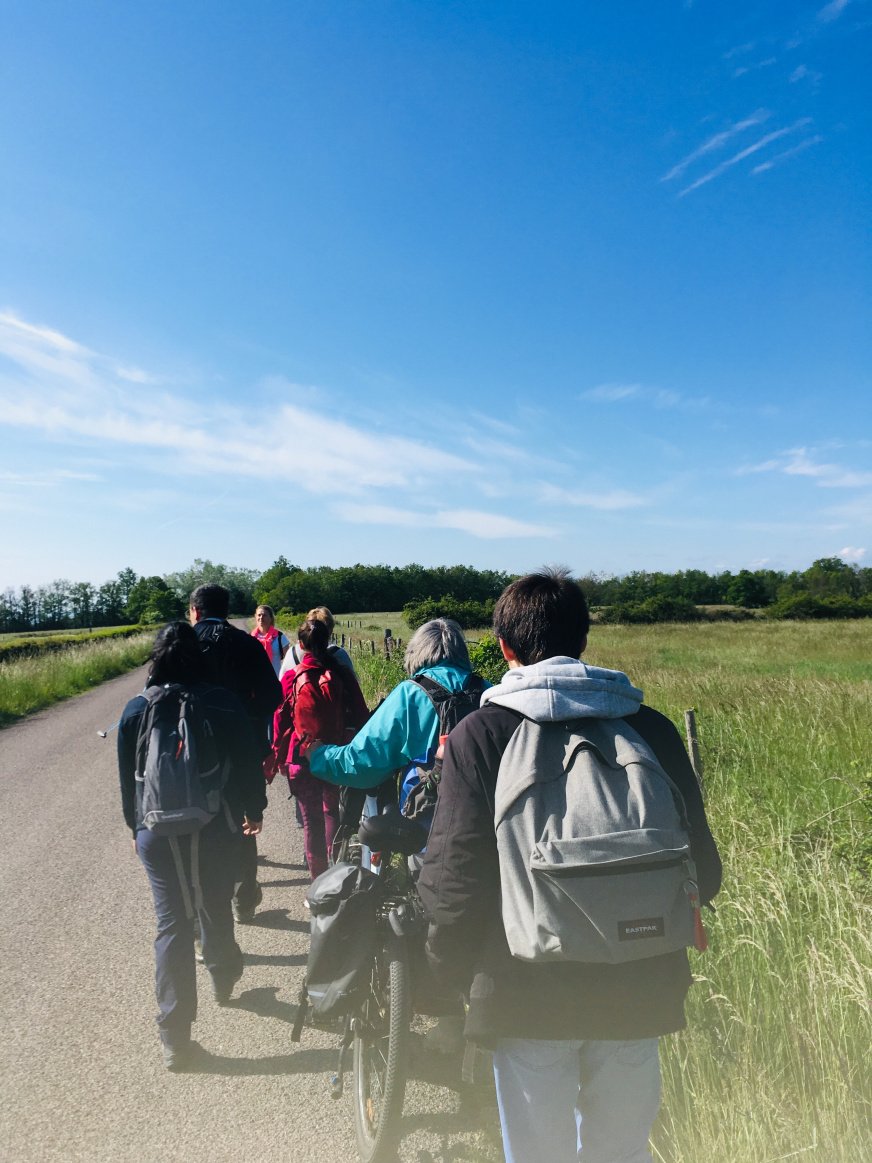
[297, 882]
[275, 958]
[278, 919]
[266, 1004]
[265, 862]
[302, 1062]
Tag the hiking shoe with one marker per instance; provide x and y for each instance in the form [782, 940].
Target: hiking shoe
[180, 1057]
[244, 914]
[222, 989]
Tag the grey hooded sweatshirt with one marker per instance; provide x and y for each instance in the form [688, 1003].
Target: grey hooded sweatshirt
[460, 880]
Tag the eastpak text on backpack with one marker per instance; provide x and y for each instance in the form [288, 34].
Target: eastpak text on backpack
[593, 846]
[180, 775]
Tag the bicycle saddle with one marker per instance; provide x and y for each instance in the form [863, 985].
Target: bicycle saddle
[392, 832]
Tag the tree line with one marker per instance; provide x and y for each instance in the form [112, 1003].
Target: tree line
[830, 587]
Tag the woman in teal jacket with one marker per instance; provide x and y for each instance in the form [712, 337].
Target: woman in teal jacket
[404, 730]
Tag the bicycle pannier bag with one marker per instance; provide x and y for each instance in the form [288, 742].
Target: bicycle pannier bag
[343, 902]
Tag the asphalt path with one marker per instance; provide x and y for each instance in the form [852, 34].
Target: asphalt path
[81, 1074]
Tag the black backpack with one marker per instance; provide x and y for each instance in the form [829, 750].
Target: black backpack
[451, 707]
[343, 904]
[180, 773]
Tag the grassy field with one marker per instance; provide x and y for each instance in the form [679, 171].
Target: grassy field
[774, 1064]
[29, 684]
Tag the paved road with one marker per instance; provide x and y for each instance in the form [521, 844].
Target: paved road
[81, 1076]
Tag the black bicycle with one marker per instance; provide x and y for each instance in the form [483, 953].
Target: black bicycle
[378, 1031]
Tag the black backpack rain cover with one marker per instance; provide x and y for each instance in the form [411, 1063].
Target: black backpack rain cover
[343, 902]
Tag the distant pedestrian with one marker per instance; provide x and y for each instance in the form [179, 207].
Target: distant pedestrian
[235, 660]
[274, 642]
[294, 656]
[192, 874]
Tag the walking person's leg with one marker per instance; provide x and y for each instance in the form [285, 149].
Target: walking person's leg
[308, 792]
[619, 1099]
[537, 1091]
[175, 969]
[248, 894]
[330, 808]
[217, 860]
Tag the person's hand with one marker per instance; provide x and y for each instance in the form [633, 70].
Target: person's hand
[133, 842]
[308, 746]
[251, 827]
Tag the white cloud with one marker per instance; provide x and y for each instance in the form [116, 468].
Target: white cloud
[767, 139]
[68, 392]
[832, 11]
[489, 526]
[657, 397]
[770, 163]
[851, 553]
[799, 462]
[717, 141]
[608, 501]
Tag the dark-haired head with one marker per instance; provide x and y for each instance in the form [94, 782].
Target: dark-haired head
[211, 601]
[176, 656]
[314, 637]
[543, 615]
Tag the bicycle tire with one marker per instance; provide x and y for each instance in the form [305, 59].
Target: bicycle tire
[381, 1050]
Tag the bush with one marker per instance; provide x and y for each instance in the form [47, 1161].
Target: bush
[657, 609]
[467, 614]
[487, 658]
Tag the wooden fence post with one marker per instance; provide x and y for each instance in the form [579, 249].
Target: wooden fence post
[693, 745]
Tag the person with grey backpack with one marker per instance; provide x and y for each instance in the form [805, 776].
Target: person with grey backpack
[566, 866]
[191, 787]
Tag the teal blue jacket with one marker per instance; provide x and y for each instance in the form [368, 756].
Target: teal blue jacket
[403, 730]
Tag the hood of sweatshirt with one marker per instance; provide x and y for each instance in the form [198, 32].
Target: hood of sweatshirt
[562, 688]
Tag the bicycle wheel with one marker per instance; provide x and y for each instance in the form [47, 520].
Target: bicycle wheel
[381, 1048]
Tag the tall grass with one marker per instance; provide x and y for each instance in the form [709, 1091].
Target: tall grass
[775, 1061]
[29, 684]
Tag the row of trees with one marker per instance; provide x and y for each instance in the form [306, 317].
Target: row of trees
[828, 577]
[373, 588]
[830, 587]
[126, 599]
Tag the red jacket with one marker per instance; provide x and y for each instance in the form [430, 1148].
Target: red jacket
[319, 703]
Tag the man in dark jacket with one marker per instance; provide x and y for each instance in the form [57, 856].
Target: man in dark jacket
[575, 1044]
[238, 662]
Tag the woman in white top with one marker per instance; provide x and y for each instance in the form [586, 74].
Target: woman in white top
[274, 642]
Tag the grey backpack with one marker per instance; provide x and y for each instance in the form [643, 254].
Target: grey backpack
[180, 773]
[593, 846]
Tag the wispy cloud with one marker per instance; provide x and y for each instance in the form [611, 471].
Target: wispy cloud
[767, 139]
[743, 70]
[642, 393]
[786, 154]
[851, 553]
[477, 523]
[802, 463]
[717, 141]
[609, 500]
[832, 11]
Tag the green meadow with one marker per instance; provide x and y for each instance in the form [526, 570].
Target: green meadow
[774, 1064]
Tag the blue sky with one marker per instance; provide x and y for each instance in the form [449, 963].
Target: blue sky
[493, 283]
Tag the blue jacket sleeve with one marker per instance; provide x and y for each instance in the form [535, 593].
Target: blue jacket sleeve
[404, 728]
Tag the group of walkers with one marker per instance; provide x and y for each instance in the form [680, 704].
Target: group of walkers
[575, 1044]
